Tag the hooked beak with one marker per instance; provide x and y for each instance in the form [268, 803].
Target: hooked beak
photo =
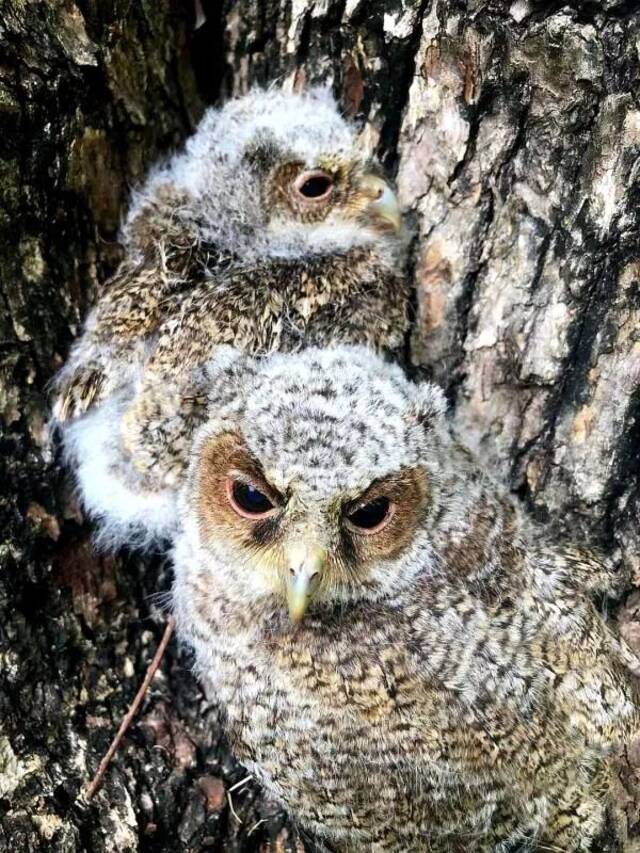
[384, 204]
[306, 564]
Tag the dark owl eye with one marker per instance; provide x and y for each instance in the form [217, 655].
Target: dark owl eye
[247, 500]
[372, 516]
[314, 186]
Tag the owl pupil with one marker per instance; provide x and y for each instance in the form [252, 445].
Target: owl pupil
[315, 187]
[250, 499]
[370, 515]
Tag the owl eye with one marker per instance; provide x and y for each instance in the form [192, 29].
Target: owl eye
[247, 500]
[314, 186]
[372, 516]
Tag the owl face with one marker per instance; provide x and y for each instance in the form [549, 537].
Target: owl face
[315, 486]
[280, 174]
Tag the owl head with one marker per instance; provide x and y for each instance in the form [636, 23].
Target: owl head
[271, 175]
[315, 481]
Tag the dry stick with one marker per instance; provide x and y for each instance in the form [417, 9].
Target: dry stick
[133, 708]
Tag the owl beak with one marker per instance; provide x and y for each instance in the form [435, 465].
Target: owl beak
[384, 204]
[307, 564]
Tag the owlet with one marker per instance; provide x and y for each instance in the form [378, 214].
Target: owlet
[272, 230]
[400, 655]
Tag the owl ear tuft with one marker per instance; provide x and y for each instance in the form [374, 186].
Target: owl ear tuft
[429, 405]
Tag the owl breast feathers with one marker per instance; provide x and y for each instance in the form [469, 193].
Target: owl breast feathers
[401, 657]
[271, 231]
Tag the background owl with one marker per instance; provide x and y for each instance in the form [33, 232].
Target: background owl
[400, 656]
[272, 230]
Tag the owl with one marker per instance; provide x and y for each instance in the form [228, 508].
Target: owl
[271, 231]
[400, 656]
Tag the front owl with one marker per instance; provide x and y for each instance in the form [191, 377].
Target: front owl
[399, 656]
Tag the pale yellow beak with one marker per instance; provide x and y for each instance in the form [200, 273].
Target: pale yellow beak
[307, 563]
[384, 204]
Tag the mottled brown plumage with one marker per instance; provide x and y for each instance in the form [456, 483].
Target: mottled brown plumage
[425, 674]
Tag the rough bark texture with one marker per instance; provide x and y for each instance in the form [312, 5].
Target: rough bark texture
[514, 132]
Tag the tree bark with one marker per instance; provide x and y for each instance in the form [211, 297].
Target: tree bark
[513, 130]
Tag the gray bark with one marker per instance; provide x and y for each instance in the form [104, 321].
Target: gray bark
[513, 130]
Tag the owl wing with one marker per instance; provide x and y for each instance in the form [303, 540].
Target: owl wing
[170, 402]
[539, 650]
[284, 306]
[164, 261]
[590, 665]
[130, 309]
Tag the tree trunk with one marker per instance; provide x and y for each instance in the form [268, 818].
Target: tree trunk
[513, 130]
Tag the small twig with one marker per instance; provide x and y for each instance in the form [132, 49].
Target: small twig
[256, 825]
[231, 808]
[133, 708]
[240, 783]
